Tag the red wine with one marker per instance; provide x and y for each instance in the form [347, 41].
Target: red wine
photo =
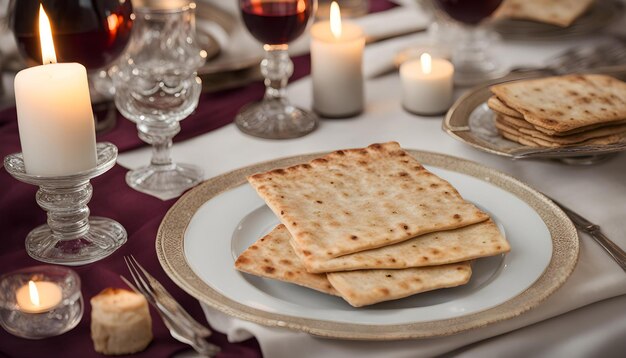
[469, 11]
[276, 22]
[93, 33]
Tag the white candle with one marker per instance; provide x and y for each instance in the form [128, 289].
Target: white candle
[336, 67]
[54, 113]
[427, 85]
[37, 297]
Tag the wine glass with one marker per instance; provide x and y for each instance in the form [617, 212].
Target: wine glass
[275, 24]
[471, 61]
[92, 33]
[156, 87]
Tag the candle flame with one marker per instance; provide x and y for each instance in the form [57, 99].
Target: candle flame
[427, 63]
[45, 37]
[34, 294]
[335, 19]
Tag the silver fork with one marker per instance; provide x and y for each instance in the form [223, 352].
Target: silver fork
[164, 297]
[180, 327]
[584, 58]
[179, 332]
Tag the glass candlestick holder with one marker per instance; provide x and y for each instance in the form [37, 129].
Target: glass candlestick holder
[55, 306]
[71, 237]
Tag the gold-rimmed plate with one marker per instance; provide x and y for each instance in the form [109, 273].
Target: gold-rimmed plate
[210, 225]
[472, 122]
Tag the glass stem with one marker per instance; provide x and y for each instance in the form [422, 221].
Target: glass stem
[471, 48]
[276, 67]
[159, 135]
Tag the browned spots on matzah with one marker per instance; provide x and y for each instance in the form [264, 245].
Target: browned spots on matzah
[242, 260]
[372, 194]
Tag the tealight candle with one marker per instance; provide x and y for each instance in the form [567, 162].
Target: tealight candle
[55, 119]
[427, 85]
[37, 297]
[336, 66]
[41, 301]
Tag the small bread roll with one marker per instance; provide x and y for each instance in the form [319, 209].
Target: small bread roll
[120, 322]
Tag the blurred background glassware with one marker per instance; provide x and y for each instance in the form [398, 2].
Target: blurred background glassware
[472, 63]
[275, 24]
[440, 39]
[349, 8]
[92, 33]
[156, 87]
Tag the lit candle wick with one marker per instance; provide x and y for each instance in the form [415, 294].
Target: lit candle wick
[335, 19]
[34, 294]
[45, 38]
[426, 62]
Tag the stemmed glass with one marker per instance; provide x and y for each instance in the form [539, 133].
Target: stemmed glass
[471, 61]
[156, 87]
[275, 24]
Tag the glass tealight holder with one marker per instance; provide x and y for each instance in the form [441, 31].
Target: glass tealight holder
[70, 237]
[57, 307]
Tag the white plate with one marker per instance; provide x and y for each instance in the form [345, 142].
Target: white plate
[220, 226]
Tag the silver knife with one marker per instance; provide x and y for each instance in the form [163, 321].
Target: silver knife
[594, 231]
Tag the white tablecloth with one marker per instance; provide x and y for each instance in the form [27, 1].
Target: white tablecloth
[589, 319]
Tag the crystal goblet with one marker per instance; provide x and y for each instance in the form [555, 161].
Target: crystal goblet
[156, 87]
[472, 64]
[275, 24]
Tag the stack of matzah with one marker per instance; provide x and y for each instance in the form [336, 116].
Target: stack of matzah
[369, 225]
[556, 12]
[561, 111]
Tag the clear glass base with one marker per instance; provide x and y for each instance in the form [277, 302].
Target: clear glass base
[103, 238]
[165, 181]
[273, 119]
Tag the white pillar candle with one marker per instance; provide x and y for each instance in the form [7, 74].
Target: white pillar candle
[336, 67]
[427, 85]
[55, 119]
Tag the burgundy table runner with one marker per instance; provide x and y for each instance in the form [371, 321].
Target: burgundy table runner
[19, 213]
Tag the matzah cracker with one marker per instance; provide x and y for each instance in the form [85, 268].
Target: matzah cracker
[520, 123]
[497, 106]
[556, 12]
[564, 103]
[516, 135]
[366, 287]
[437, 248]
[618, 131]
[359, 199]
[272, 257]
